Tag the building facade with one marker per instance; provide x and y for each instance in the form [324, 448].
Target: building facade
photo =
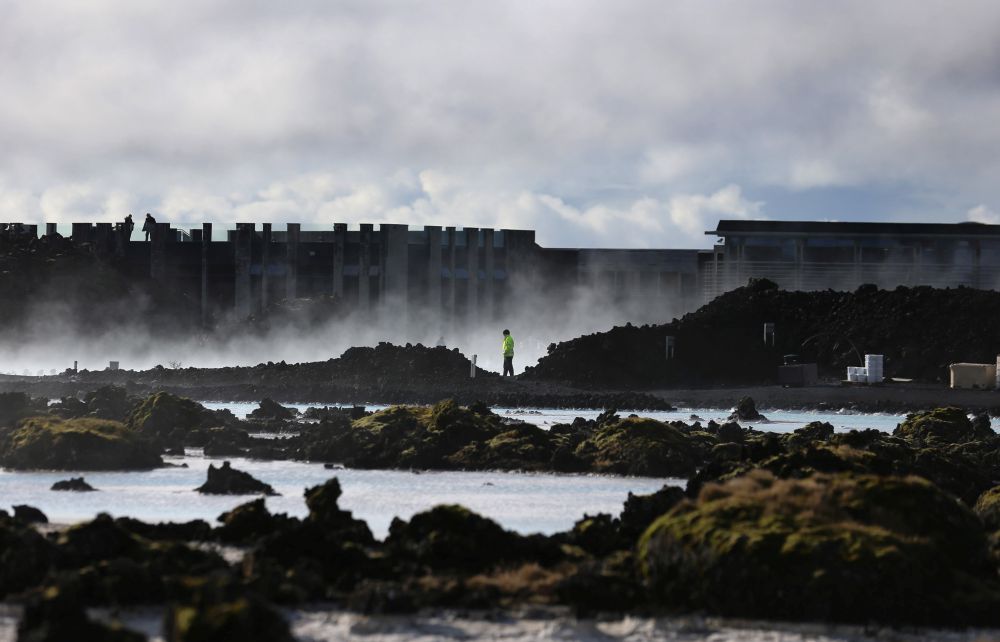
[820, 255]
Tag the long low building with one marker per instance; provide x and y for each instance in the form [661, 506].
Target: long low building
[812, 255]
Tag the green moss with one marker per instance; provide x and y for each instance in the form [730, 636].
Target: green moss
[76, 444]
[163, 413]
[639, 446]
[938, 426]
[828, 547]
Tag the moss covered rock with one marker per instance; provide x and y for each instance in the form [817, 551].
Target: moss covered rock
[164, 415]
[76, 444]
[941, 426]
[988, 508]
[638, 446]
[830, 547]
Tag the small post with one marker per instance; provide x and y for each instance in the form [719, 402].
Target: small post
[769, 334]
[472, 367]
[75, 369]
[113, 365]
[671, 346]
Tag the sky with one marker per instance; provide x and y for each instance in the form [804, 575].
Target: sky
[598, 124]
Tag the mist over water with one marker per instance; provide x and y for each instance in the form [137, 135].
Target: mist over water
[53, 340]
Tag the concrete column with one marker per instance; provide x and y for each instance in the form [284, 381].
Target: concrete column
[104, 239]
[452, 281]
[487, 304]
[242, 248]
[364, 267]
[206, 240]
[433, 268]
[81, 233]
[472, 266]
[265, 265]
[339, 241]
[158, 251]
[396, 267]
[292, 262]
[50, 228]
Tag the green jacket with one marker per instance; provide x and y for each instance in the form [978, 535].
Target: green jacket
[508, 346]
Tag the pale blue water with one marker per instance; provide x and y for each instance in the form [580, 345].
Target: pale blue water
[545, 503]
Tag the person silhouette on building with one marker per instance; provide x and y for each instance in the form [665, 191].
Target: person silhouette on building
[508, 354]
[127, 227]
[149, 225]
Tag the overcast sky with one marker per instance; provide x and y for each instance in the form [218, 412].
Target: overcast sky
[612, 123]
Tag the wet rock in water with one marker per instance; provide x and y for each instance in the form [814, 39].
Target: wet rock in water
[638, 446]
[226, 480]
[270, 409]
[29, 515]
[325, 511]
[852, 548]
[941, 426]
[988, 508]
[76, 444]
[58, 615]
[77, 484]
[746, 410]
[225, 442]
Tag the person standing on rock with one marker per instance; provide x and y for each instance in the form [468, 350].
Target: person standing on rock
[508, 354]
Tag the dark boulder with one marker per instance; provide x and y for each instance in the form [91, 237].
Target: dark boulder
[167, 416]
[77, 484]
[109, 402]
[29, 515]
[59, 615]
[270, 409]
[249, 522]
[746, 410]
[988, 508]
[226, 480]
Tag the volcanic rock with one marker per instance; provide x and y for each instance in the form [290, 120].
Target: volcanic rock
[855, 548]
[75, 444]
[29, 515]
[941, 426]
[270, 409]
[73, 484]
[746, 410]
[226, 480]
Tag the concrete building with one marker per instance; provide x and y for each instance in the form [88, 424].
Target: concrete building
[468, 274]
[819, 255]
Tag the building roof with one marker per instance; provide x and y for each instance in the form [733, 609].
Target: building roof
[825, 228]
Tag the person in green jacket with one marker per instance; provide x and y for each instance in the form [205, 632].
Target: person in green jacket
[508, 354]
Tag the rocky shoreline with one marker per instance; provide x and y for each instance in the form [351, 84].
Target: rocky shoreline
[868, 527]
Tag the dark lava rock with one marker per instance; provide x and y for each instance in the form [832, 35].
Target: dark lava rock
[249, 522]
[854, 548]
[454, 538]
[58, 615]
[196, 530]
[15, 406]
[270, 409]
[731, 432]
[77, 484]
[166, 416]
[642, 510]
[226, 480]
[746, 410]
[720, 343]
[29, 515]
[25, 556]
[812, 432]
[942, 426]
[243, 619]
[75, 444]
[109, 402]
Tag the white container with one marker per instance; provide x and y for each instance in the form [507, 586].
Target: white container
[874, 368]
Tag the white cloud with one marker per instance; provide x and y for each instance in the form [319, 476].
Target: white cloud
[983, 214]
[592, 115]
